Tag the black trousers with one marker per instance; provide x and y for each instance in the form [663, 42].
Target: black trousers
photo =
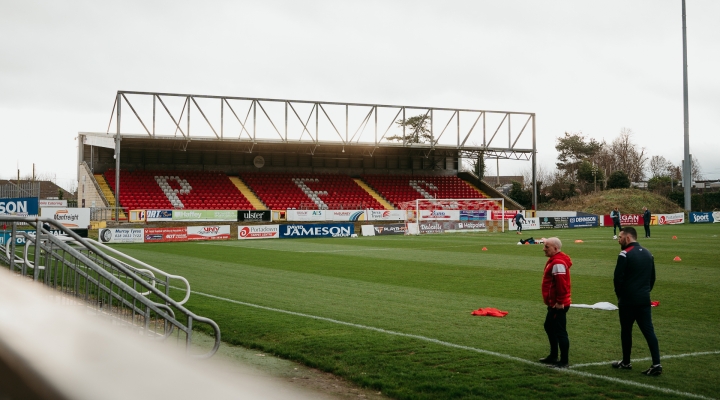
[647, 230]
[642, 315]
[519, 228]
[556, 329]
[616, 224]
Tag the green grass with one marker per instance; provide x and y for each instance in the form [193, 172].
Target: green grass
[427, 286]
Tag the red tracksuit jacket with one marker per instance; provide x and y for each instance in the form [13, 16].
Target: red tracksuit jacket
[556, 280]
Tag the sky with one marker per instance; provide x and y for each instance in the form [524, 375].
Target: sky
[590, 67]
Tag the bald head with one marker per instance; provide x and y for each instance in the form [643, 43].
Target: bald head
[552, 246]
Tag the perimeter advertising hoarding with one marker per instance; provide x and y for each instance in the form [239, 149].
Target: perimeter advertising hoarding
[254, 215]
[625, 220]
[390, 229]
[316, 230]
[554, 222]
[430, 227]
[212, 232]
[530, 224]
[73, 218]
[386, 215]
[157, 235]
[121, 235]
[259, 232]
[52, 203]
[158, 215]
[345, 215]
[204, 215]
[464, 226]
[585, 221]
[440, 215]
[473, 215]
[20, 206]
[509, 214]
[716, 216]
[20, 241]
[701, 218]
[305, 215]
[671, 219]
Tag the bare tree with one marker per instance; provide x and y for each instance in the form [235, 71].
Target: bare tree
[660, 166]
[695, 171]
[628, 158]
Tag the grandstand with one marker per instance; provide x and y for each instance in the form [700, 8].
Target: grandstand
[287, 154]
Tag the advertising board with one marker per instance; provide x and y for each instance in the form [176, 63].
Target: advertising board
[716, 216]
[20, 241]
[121, 235]
[69, 217]
[554, 222]
[671, 219]
[254, 215]
[345, 215]
[316, 230]
[160, 235]
[386, 215]
[530, 224]
[440, 215]
[464, 226]
[625, 220]
[52, 203]
[701, 218]
[390, 229]
[211, 232]
[473, 215]
[305, 215]
[20, 206]
[585, 221]
[259, 232]
[509, 214]
[204, 215]
[158, 215]
[430, 227]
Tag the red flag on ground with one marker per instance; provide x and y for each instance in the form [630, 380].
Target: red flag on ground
[489, 312]
[654, 303]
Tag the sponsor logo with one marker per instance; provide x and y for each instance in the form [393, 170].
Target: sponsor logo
[258, 232]
[583, 219]
[471, 225]
[154, 237]
[106, 235]
[303, 230]
[630, 219]
[700, 217]
[159, 213]
[13, 207]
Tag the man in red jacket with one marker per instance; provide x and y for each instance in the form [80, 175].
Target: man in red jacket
[556, 294]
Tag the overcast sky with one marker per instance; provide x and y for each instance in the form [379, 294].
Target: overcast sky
[594, 67]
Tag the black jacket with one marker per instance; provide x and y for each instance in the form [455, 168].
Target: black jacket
[646, 217]
[634, 275]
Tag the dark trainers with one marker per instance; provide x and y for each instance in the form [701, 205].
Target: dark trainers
[654, 370]
[548, 360]
[559, 365]
[621, 365]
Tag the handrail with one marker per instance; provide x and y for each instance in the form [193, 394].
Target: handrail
[115, 284]
[147, 266]
[95, 183]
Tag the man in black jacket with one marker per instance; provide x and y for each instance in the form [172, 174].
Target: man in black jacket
[646, 221]
[634, 279]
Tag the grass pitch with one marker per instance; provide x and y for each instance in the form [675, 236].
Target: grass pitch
[393, 313]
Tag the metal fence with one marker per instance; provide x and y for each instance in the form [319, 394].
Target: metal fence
[23, 189]
[141, 297]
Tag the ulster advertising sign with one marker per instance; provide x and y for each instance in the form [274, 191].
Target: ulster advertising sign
[254, 216]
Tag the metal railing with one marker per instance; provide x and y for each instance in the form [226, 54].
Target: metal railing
[21, 189]
[80, 268]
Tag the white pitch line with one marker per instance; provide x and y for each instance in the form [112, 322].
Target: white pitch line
[700, 353]
[458, 346]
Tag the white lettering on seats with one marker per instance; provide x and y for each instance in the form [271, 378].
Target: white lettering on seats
[172, 194]
[314, 195]
[415, 184]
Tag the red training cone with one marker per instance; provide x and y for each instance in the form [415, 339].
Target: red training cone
[677, 258]
[484, 249]
[674, 237]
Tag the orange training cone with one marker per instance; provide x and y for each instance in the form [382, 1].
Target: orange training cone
[578, 241]
[677, 258]
[674, 237]
[527, 242]
[484, 249]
